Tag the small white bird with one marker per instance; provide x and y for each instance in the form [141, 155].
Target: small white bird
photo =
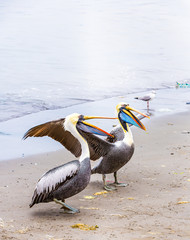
[148, 97]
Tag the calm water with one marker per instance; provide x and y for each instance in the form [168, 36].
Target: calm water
[56, 53]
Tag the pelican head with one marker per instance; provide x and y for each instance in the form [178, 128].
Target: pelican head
[126, 116]
[78, 121]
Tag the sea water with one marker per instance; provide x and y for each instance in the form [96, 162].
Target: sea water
[59, 55]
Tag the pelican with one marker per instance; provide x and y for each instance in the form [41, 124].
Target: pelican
[119, 147]
[71, 178]
[148, 97]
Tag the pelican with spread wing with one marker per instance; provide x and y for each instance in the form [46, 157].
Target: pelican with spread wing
[71, 178]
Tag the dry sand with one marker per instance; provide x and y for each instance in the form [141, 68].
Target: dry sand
[155, 204]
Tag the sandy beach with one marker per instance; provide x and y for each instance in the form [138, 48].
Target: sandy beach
[62, 57]
[155, 204]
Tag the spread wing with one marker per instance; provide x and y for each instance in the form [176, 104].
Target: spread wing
[55, 129]
[53, 179]
[98, 147]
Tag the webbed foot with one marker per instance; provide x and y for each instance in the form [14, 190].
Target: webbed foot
[109, 188]
[120, 184]
[68, 211]
[67, 208]
[116, 183]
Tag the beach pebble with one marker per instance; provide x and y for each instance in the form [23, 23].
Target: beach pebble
[183, 202]
[23, 230]
[89, 197]
[84, 227]
[100, 193]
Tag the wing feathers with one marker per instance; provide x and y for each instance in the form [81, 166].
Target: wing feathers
[98, 147]
[55, 130]
[53, 179]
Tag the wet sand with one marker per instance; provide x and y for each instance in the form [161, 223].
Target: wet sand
[155, 204]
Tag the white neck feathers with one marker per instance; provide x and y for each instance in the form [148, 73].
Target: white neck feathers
[128, 139]
[71, 127]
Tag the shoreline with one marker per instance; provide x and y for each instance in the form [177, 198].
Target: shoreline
[155, 204]
[12, 131]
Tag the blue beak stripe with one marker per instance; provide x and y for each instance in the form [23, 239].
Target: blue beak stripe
[89, 129]
[126, 118]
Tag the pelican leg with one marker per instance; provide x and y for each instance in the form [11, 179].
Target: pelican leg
[106, 186]
[67, 208]
[116, 183]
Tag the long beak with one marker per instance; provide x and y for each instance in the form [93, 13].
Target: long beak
[95, 130]
[90, 128]
[132, 109]
[131, 118]
[98, 117]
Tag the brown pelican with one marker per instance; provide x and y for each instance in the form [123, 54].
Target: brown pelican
[71, 178]
[148, 97]
[119, 149]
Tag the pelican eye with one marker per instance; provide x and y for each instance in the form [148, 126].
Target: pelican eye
[124, 105]
[81, 117]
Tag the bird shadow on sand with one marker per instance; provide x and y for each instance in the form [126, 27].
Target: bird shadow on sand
[56, 212]
[53, 213]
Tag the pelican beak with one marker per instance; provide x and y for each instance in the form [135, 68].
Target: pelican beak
[127, 116]
[132, 109]
[97, 117]
[89, 128]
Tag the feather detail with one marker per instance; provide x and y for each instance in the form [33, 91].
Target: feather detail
[53, 179]
[55, 129]
[98, 147]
